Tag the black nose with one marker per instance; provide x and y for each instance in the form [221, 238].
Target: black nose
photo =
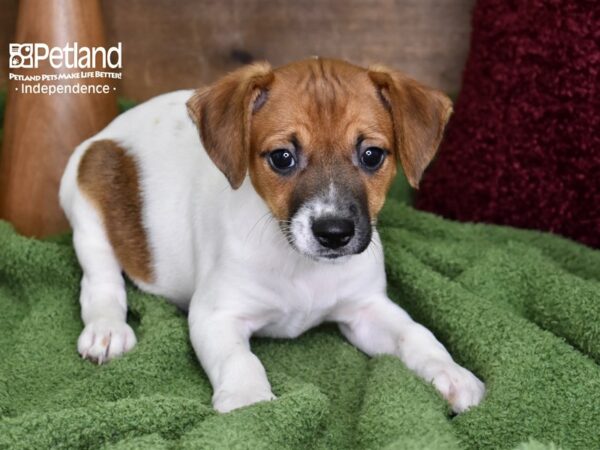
[333, 233]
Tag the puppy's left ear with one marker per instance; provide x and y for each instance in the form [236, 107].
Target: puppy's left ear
[223, 114]
[419, 115]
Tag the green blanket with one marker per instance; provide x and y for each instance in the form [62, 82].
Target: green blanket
[521, 309]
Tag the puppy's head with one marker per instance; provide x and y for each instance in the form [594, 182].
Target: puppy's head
[321, 140]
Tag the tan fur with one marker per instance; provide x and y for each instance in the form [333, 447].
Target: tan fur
[324, 105]
[326, 130]
[109, 177]
[420, 115]
[222, 115]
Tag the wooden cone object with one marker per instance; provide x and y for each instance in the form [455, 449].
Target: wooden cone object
[40, 130]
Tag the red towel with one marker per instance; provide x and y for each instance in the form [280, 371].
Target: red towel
[523, 146]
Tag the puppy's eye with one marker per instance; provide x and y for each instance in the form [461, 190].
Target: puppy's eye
[282, 161]
[372, 158]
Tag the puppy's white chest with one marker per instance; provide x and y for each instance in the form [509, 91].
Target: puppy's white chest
[302, 303]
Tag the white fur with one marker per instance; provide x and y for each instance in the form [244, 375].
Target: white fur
[300, 227]
[216, 252]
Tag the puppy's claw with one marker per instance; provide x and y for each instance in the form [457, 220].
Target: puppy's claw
[104, 339]
[108, 345]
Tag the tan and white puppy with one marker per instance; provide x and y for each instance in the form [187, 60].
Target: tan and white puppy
[258, 225]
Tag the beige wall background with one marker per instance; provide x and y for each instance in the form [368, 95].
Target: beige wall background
[171, 44]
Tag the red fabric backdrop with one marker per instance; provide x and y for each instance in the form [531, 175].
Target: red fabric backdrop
[523, 146]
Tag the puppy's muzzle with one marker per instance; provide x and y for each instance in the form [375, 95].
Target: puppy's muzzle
[333, 232]
[330, 224]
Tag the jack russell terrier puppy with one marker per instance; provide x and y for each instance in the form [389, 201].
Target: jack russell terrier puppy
[250, 204]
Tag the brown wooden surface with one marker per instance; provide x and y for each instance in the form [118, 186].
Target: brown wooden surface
[40, 131]
[185, 43]
[8, 21]
[175, 44]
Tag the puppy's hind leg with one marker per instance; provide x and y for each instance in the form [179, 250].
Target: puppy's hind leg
[103, 300]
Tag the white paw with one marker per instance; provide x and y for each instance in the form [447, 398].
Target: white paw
[105, 339]
[457, 385]
[225, 401]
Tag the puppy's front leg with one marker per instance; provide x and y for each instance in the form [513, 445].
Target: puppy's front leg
[221, 341]
[381, 327]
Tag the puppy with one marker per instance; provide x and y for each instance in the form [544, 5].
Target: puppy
[250, 204]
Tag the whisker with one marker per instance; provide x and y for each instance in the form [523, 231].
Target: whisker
[257, 222]
[266, 224]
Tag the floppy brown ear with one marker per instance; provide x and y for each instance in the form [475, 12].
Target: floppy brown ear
[419, 115]
[223, 113]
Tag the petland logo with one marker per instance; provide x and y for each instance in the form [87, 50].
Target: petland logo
[71, 56]
[72, 69]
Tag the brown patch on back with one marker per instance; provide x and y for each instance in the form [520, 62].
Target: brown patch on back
[109, 177]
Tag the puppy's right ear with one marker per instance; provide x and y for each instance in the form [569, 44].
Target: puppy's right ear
[223, 114]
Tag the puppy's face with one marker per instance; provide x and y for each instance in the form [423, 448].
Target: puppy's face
[321, 140]
[322, 156]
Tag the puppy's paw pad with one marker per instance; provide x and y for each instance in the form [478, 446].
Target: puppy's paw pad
[224, 401]
[103, 340]
[459, 387]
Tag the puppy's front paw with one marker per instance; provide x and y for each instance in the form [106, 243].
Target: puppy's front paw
[105, 339]
[225, 401]
[457, 385]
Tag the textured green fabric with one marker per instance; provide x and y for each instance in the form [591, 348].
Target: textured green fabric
[521, 309]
